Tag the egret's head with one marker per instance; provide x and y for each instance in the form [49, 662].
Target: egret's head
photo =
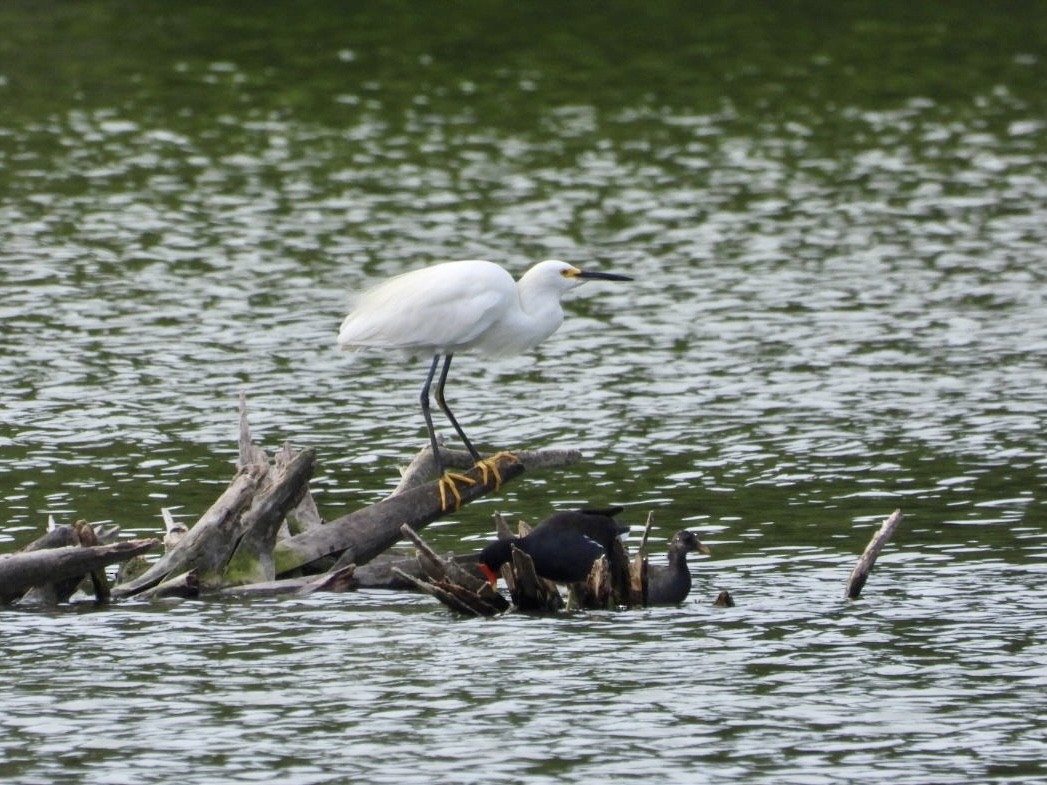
[566, 276]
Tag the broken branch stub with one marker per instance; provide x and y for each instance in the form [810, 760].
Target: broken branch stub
[861, 571]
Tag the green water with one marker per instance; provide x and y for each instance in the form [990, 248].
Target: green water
[835, 218]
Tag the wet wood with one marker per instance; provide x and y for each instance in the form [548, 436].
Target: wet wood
[861, 571]
[361, 535]
[529, 591]
[724, 600]
[639, 568]
[209, 542]
[252, 561]
[451, 584]
[385, 570]
[305, 514]
[422, 468]
[185, 585]
[336, 581]
[61, 590]
[20, 572]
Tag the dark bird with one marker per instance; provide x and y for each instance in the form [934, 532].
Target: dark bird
[563, 547]
[670, 585]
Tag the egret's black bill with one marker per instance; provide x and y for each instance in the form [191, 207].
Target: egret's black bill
[604, 276]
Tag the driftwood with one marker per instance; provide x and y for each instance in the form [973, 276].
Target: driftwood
[363, 534]
[638, 569]
[59, 590]
[264, 534]
[386, 570]
[185, 585]
[454, 586]
[335, 581]
[20, 572]
[861, 571]
[208, 544]
[422, 469]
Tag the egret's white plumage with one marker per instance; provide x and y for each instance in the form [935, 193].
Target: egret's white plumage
[467, 306]
[453, 307]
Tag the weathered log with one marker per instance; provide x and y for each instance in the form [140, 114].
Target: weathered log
[385, 570]
[252, 560]
[337, 581]
[435, 567]
[865, 564]
[305, 515]
[58, 591]
[50, 593]
[422, 468]
[363, 534]
[248, 453]
[452, 585]
[596, 591]
[209, 543]
[19, 572]
[185, 585]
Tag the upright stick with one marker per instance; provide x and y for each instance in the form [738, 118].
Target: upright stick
[865, 564]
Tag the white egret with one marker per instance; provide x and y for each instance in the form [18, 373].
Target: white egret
[467, 306]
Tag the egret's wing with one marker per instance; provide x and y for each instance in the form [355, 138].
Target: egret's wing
[438, 308]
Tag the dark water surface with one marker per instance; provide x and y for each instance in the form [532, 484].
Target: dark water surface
[836, 218]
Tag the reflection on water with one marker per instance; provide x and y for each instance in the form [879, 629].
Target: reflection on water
[835, 222]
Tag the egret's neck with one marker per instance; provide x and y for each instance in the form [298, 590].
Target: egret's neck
[541, 303]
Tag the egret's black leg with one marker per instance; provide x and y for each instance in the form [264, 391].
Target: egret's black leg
[428, 417]
[439, 395]
[447, 479]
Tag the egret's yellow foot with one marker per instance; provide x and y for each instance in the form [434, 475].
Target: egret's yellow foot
[489, 467]
[447, 483]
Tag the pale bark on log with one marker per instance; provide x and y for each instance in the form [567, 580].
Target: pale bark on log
[386, 570]
[861, 571]
[208, 544]
[422, 469]
[60, 590]
[248, 453]
[337, 581]
[252, 560]
[363, 534]
[19, 572]
[305, 515]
